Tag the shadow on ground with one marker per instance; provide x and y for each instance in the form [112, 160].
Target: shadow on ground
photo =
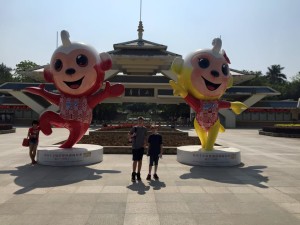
[232, 175]
[30, 177]
[141, 188]
[157, 185]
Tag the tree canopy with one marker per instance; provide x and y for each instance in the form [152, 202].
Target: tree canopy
[277, 80]
[5, 74]
[22, 69]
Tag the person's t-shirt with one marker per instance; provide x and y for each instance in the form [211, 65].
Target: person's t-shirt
[139, 139]
[154, 140]
[34, 133]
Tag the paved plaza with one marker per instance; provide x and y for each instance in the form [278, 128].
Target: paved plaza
[264, 190]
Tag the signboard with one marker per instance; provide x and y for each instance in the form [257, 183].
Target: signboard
[139, 92]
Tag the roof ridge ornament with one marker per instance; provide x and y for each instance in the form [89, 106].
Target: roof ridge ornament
[140, 27]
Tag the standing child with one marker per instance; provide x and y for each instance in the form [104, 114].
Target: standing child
[33, 136]
[154, 151]
[138, 135]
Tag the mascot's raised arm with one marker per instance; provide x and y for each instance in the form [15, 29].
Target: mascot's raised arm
[203, 77]
[77, 71]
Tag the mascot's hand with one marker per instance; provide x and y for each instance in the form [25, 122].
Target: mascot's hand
[178, 89]
[36, 90]
[176, 66]
[106, 61]
[238, 107]
[114, 90]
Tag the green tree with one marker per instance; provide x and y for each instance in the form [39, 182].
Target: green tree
[5, 74]
[293, 89]
[23, 69]
[275, 75]
[296, 77]
[258, 80]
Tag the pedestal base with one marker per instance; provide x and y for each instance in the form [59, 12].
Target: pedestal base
[220, 156]
[78, 155]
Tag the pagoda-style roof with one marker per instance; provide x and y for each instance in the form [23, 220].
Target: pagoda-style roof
[141, 56]
[141, 47]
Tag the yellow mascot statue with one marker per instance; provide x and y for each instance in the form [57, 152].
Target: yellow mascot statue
[203, 77]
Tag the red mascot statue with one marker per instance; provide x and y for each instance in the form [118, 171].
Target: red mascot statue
[77, 71]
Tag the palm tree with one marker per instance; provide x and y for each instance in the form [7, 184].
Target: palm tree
[275, 76]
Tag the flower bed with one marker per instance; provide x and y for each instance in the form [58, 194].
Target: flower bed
[117, 136]
[6, 126]
[282, 130]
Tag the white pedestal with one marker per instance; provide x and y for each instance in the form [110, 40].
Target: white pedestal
[78, 155]
[220, 156]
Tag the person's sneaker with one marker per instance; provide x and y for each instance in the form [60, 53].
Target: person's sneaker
[138, 176]
[148, 177]
[155, 176]
[133, 176]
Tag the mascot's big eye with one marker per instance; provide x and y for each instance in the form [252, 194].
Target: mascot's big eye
[82, 60]
[225, 69]
[203, 63]
[58, 65]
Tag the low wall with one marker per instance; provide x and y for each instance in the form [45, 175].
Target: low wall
[119, 138]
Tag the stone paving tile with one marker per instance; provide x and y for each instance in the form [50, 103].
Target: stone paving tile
[112, 197]
[31, 219]
[68, 220]
[64, 189]
[225, 197]
[291, 207]
[250, 197]
[197, 197]
[81, 198]
[7, 219]
[168, 197]
[141, 207]
[203, 207]
[105, 219]
[109, 208]
[264, 190]
[177, 219]
[132, 197]
[114, 189]
[142, 219]
[289, 190]
[172, 207]
[89, 189]
[42, 208]
[283, 198]
[211, 189]
[5, 197]
[32, 198]
[244, 190]
[249, 207]
[191, 189]
[13, 208]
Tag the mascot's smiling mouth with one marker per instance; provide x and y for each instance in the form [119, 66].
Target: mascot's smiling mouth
[74, 84]
[211, 86]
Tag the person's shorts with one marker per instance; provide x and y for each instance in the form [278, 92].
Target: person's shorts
[153, 159]
[33, 141]
[137, 154]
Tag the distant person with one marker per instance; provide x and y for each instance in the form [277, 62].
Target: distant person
[154, 151]
[33, 136]
[137, 135]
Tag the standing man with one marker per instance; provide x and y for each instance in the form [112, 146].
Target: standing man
[138, 135]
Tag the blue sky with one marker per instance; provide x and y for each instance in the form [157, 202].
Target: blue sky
[256, 34]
